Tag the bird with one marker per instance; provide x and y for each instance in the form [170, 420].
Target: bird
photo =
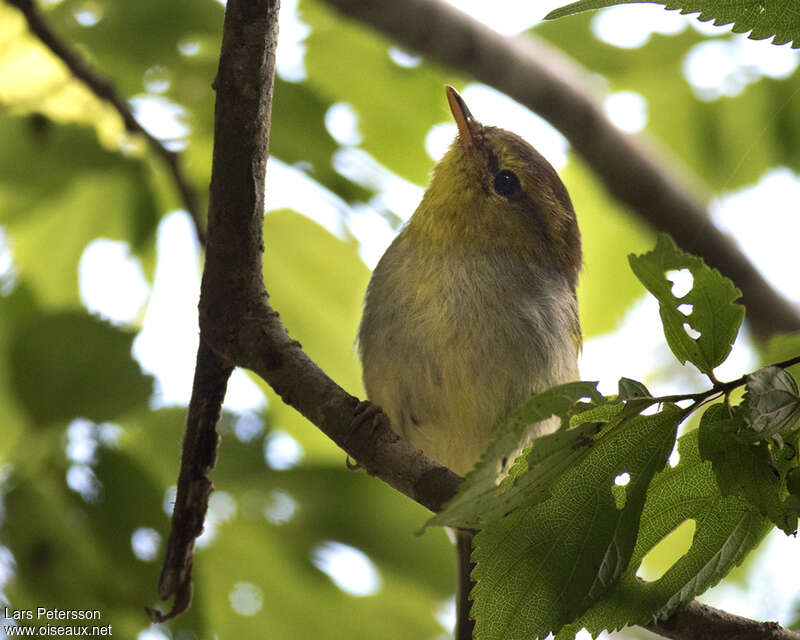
[473, 307]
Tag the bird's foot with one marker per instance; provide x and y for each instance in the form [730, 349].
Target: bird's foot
[367, 416]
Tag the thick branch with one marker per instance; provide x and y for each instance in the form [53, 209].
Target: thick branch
[552, 85]
[104, 89]
[696, 621]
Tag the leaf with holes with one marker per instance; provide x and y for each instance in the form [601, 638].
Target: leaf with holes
[714, 314]
[771, 404]
[727, 528]
[479, 488]
[543, 565]
[746, 469]
[764, 19]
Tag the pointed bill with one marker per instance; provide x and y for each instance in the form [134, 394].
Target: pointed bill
[468, 127]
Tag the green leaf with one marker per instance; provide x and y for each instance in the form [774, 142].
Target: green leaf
[542, 566]
[629, 389]
[713, 312]
[727, 528]
[69, 364]
[771, 404]
[477, 493]
[744, 469]
[778, 18]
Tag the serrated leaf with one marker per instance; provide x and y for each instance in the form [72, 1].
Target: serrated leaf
[771, 404]
[480, 485]
[629, 389]
[744, 469]
[713, 311]
[544, 565]
[778, 18]
[727, 528]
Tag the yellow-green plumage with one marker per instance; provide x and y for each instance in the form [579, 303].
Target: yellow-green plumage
[472, 308]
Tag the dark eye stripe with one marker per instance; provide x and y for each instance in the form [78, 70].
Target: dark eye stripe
[506, 183]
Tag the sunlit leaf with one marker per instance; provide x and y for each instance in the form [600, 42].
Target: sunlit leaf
[727, 528]
[542, 566]
[712, 311]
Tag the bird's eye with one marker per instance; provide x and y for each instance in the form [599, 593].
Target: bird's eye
[506, 183]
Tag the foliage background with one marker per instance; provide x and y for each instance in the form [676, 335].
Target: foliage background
[90, 442]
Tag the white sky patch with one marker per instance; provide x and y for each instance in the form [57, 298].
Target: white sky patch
[373, 232]
[341, 121]
[8, 566]
[246, 598]
[189, 47]
[281, 507]
[491, 107]
[8, 274]
[145, 542]
[157, 79]
[288, 187]
[631, 26]
[168, 503]
[162, 119]
[439, 138]
[349, 568]
[152, 633]
[627, 111]
[725, 67]
[88, 15]
[82, 480]
[404, 59]
[81, 442]
[753, 214]
[111, 281]
[771, 581]
[289, 58]
[395, 193]
[282, 451]
[446, 614]
[221, 509]
[171, 317]
[166, 347]
[248, 426]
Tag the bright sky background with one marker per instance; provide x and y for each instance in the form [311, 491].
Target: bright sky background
[713, 68]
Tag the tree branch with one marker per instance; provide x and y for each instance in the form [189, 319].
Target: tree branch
[104, 89]
[644, 178]
[695, 621]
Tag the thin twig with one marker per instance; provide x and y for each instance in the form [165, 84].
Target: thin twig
[721, 387]
[104, 89]
[633, 169]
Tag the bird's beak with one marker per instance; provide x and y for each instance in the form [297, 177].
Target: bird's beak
[468, 127]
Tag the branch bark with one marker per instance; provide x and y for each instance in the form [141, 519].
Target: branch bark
[696, 621]
[637, 173]
[104, 89]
